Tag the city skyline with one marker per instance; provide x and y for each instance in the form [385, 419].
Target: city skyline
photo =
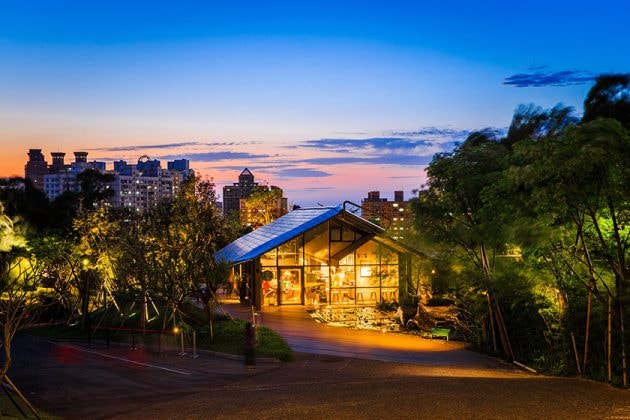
[327, 101]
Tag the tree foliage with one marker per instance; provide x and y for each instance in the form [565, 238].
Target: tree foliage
[264, 204]
[539, 222]
[20, 277]
[609, 98]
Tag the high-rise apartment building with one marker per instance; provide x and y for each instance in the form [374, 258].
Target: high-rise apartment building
[232, 194]
[392, 215]
[266, 211]
[138, 186]
[36, 167]
[145, 184]
[235, 204]
[62, 177]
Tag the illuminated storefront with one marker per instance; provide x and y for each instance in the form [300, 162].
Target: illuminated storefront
[319, 256]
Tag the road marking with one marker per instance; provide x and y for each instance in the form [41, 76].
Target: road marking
[128, 360]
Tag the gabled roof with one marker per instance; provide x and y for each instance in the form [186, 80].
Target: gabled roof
[286, 228]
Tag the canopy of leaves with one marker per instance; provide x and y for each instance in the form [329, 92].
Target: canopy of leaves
[609, 98]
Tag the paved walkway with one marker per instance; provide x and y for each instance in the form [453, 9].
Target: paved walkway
[435, 380]
[330, 387]
[305, 335]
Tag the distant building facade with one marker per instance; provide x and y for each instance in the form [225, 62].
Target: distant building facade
[232, 194]
[393, 215]
[138, 186]
[264, 213]
[62, 177]
[235, 200]
[145, 184]
[36, 167]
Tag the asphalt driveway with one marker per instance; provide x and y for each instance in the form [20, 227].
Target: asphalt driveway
[338, 373]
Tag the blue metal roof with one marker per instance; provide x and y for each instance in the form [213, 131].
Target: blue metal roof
[275, 233]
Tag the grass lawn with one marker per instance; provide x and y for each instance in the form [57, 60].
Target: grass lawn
[228, 336]
[9, 411]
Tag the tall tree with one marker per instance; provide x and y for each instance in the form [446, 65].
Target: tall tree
[454, 209]
[22, 199]
[168, 253]
[20, 276]
[95, 187]
[609, 98]
[531, 122]
[97, 232]
[265, 205]
[584, 180]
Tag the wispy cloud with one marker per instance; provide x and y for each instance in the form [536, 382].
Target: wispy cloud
[434, 132]
[146, 146]
[352, 133]
[232, 143]
[404, 177]
[301, 173]
[176, 145]
[539, 78]
[377, 143]
[316, 188]
[213, 156]
[386, 159]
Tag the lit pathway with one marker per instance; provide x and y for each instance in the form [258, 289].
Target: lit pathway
[305, 335]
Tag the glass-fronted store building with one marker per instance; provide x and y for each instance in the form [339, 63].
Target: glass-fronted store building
[314, 256]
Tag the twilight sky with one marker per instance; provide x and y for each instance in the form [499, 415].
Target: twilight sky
[326, 99]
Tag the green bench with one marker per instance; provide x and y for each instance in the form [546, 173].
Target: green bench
[440, 330]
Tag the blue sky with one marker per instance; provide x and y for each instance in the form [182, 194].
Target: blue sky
[326, 99]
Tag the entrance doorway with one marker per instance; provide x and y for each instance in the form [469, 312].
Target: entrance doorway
[290, 285]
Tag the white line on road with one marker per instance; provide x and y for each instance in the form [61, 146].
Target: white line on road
[127, 360]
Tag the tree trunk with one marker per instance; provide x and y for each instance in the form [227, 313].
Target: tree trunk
[490, 312]
[609, 337]
[577, 356]
[6, 347]
[85, 303]
[624, 365]
[505, 339]
[588, 328]
[143, 316]
[22, 397]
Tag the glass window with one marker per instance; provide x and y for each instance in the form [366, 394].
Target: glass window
[339, 233]
[367, 295]
[290, 286]
[367, 275]
[389, 275]
[338, 247]
[316, 245]
[290, 253]
[269, 258]
[335, 233]
[342, 276]
[367, 253]
[269, 277]
[347, 260]
[348, 235]
[316, 283]
[387, 255]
